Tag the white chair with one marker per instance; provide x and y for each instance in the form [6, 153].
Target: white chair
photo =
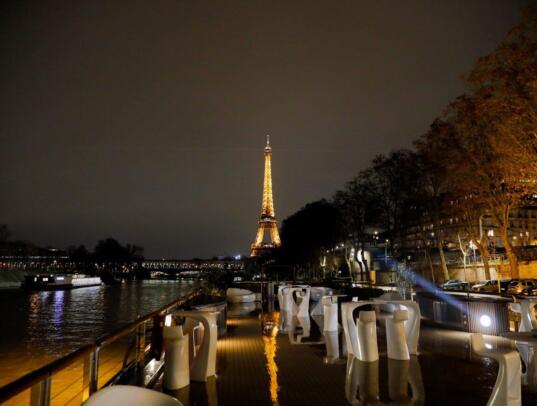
[235, 295]
[286, 319]
[318, 292]
[331, 340]
[528, 321]
[388, 297]
[330, 310]
[177, 363]
[288, 300]
[303, 307]
[304, 324]
[204, 364]
[507, 389]
[412, 325]
[281, 301]
[126, 395]
[316, 296]
[350, 330]
[395, 336]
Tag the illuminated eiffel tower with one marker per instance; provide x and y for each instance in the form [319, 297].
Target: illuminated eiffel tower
[267, 222]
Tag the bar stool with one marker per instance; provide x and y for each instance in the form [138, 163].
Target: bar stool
[395, 336]
[281, 301]
[303, 307]
[366, 324]
[330, 310]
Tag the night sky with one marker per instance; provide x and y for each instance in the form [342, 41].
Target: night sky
[146, 120]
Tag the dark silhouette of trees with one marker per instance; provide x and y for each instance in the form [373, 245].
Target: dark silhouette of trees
[306, 232]
[5, 234]
[79, 254]
[110, 250]
[479, 159]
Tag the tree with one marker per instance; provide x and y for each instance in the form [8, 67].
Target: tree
[487, 175]
[358, 212]
[496, 128]
[433, 151]
[136, 252]
[79, 254]
[393, 182]
[306, 232]
[5, 234]
[110, 250]
[504, 84]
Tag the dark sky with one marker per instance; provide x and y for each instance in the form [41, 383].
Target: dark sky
[146, 120]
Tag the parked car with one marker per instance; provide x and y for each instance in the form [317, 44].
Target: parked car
[486, 286]
[477, 287]
[454, 284]
[518, 286]
[532, 291]
[504, 284]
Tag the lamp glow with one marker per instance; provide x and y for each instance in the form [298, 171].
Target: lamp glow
[168, 320]
[485, 320]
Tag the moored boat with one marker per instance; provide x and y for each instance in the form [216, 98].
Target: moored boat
[59, 281]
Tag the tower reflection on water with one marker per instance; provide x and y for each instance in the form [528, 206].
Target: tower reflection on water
[269, 325]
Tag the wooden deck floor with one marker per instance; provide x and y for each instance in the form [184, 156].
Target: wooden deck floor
[266, 360]
[278, 368]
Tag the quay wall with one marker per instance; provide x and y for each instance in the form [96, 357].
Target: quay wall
[527, 270]
[11, 279]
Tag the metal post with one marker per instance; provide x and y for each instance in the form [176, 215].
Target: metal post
[140, 353]
[40, 392]
[93, 371]
[140, 346]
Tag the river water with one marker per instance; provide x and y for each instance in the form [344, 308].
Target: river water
[36, 327]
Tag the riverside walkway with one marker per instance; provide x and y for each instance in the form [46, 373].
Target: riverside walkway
[258, 364]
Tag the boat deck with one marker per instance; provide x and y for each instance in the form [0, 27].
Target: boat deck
[261, 364]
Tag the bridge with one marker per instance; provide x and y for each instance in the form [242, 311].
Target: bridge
[179, 265]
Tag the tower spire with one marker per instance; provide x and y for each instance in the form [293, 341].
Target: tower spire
[267, 221]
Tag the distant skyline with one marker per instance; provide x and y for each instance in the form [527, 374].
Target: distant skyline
[146, 121]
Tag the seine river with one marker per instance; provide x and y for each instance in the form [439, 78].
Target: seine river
[37, 327]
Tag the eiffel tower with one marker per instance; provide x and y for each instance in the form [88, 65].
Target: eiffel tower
[267, 222]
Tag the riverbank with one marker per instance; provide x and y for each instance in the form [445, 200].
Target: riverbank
[12, 279]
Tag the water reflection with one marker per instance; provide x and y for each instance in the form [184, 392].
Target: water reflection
[269, 325]
[45, 325]
[362, 382]
[240, 309]
[331, 339]
[57, 307]
[299, 329]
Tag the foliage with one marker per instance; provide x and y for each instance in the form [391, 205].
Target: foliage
[313, 227]
[479, 158]
[110, 250]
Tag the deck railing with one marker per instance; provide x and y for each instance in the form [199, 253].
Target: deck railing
[39, 382]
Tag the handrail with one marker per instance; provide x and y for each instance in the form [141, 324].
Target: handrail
[27, 381]
[106, 339]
